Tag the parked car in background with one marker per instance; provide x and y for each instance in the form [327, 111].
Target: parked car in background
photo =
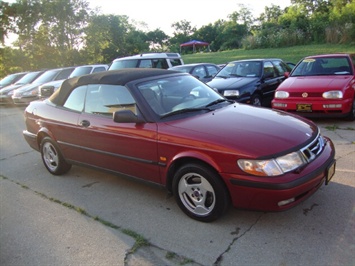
[48, 88]
[29, 93]
[149, 60]
[203, 71]
[320, 86]
[291, 65]
[11, 79]
[251, 81]
[7, 92]
[169, 128]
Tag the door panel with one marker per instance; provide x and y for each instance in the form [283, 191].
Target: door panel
[127, 148]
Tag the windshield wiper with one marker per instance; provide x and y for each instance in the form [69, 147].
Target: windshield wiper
[219, 101]
[235, 75]
[186, 110]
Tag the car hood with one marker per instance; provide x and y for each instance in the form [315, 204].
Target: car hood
[242, 129]
[7, 89]
[55, 83]
[28, 87]
[319, 83]
[230, 83]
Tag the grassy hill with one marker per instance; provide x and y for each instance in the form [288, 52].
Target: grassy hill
[288, 54]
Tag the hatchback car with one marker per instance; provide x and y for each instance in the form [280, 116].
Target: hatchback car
[7, 92]
[11, 79]
[203, 71]
[29, 93]
[170, 128]
[250, 81]
[320, 86]
[48, 88]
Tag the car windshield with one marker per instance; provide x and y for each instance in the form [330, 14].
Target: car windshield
[241, 69]
[81, 71]
[322, 66]
[119, 64]
[46, 77]
[7, 80]
[175, 95]
[28, 78]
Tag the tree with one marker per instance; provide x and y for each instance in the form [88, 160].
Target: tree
[271, 14]
[109, 36]
[157, 38]
[342, 19]
[183, 27]
[6, 12]
[209, 33]
[312, 6]
[52, 27]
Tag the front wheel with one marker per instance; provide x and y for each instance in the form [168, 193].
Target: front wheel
[256, 100]
[52, 158]
[200, 193]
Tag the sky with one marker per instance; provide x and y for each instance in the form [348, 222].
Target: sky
[160, 14]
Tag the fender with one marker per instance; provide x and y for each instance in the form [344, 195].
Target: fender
[42, 132]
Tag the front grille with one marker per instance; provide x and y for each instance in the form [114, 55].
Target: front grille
[312, 150]
[309, 94]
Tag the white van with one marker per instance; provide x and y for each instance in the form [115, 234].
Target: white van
[149, 60]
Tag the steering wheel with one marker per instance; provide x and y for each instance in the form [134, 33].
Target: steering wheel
[188, 97]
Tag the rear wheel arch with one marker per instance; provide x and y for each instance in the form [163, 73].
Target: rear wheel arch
[42, 134]
[52, 157]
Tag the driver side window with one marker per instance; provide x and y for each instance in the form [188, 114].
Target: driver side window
[269, 71]
[102, 99]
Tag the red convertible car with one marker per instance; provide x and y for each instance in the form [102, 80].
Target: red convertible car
[169, 128]
[320, 86]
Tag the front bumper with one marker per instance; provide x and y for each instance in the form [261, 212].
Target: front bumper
[31, 139]
[4, 99]
[324, 108]
[24, 100]
[269, 193]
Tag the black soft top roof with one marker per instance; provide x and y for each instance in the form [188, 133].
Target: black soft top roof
[114, 77]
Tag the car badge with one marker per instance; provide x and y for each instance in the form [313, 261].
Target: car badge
[305, 95]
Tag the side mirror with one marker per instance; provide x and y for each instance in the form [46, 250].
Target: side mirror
[287, 74]
[126, 116]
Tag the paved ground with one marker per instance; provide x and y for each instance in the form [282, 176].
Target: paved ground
[91, 218]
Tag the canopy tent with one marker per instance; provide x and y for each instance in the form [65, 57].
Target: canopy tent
[194, 43]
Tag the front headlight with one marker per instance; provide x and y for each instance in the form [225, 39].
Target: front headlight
[231, 93]
[281, 94]
[31, 93]
[333, 95]
[272, 167]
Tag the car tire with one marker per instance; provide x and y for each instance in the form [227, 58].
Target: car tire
[52, 157]
[200, 192]
[256, 100]
[351, 115]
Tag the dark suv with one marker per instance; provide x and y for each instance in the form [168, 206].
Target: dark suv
[251, 81]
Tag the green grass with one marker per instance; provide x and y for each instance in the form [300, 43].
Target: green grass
[288, 54]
